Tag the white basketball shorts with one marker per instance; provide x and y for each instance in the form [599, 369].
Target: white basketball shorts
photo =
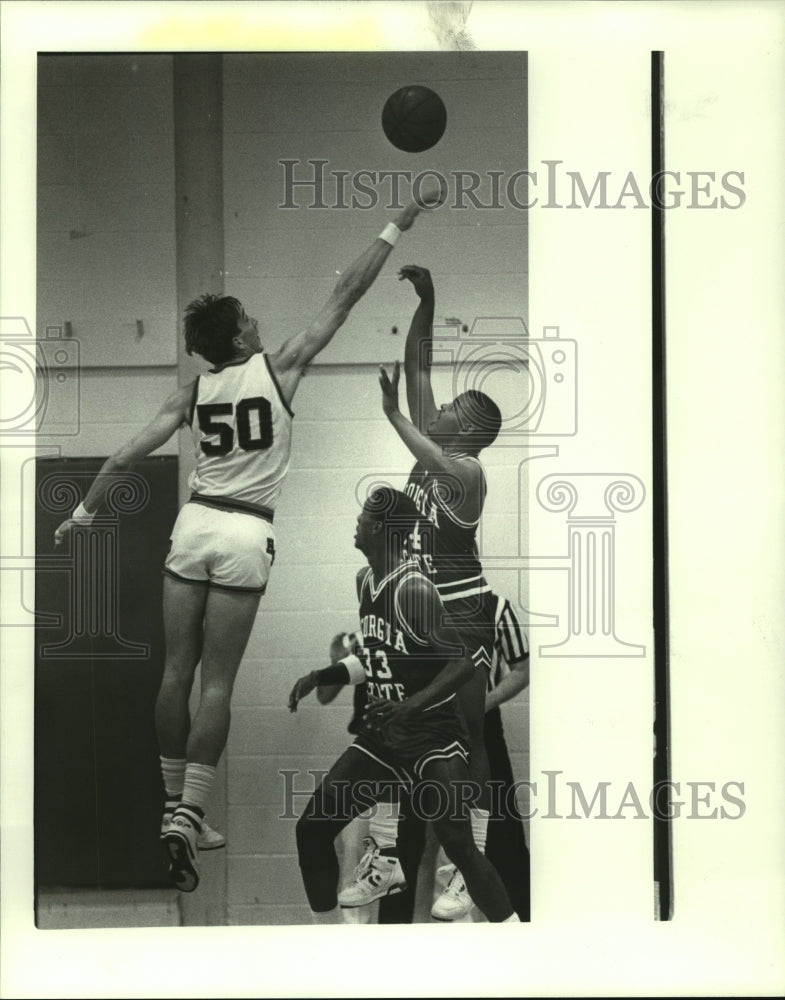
[227, 549]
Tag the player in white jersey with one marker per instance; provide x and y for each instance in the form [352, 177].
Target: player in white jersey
[223, 543]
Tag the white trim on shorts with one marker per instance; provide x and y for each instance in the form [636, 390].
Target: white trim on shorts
[407, 777]
[454, 749]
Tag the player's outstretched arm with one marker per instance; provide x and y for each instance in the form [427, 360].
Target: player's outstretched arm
[297, 352]
[417, 355]
[347, 670]
[420, 608]
[340, 646]
[466, 475]
[174, 412]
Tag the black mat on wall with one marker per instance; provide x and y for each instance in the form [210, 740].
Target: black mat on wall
[98, 789]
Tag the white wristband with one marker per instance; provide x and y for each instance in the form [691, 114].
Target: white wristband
[81, 516]
[390, 234]
[356, 670]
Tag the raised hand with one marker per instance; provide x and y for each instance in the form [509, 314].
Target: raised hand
[420, 278]
[390, 388]
[431, 196]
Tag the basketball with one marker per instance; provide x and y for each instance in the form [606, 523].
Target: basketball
[414, 118]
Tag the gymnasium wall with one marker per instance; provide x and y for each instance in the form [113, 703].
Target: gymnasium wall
[107, 262]
[106, 241]
[282, 264]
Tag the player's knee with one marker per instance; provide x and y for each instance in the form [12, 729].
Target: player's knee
[308, 838]
[178, 673]
[315, 829]
[218, 692]
[457, 843]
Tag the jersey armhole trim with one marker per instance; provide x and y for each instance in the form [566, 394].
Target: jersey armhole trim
[401, 616]
[364, 583]
[277, 386]
[194, 394]
[449, 511]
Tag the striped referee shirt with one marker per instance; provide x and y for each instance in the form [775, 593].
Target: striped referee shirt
[510, 645]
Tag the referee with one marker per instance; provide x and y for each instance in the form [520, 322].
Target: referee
[506, 846]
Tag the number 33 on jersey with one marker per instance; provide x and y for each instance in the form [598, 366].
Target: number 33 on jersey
[242, 431]
[377, 670]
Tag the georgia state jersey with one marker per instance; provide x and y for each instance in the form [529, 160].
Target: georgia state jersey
[242, 431]
[398, 663]
[444, 546]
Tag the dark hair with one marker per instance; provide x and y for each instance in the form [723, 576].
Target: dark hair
[481, 414]
[386, 504]
[399, 514]
[211, 323]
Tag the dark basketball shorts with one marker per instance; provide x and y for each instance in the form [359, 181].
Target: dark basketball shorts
[405, 751]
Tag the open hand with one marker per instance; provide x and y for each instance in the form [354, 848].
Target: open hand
[430, 196]
[390, 388]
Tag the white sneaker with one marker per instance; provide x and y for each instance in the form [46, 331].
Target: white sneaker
[376, 875]
[208, 839]
[455, 902]
[180, 841]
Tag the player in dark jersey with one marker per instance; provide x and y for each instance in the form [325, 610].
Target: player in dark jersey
[448, 486]
[223, 540]
[412, 735]
[379, 876]
[374, 851]
[506, 843]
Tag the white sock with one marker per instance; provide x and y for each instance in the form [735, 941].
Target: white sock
[173, 773]
[480, 827]
[197, 786]
[384, 826]
[328, 917]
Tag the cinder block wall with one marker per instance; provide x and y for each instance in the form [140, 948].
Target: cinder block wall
[105, 260]
[282, 264]
[106, 243]
[106, 188]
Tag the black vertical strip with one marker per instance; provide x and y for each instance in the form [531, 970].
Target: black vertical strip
[663, 854]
